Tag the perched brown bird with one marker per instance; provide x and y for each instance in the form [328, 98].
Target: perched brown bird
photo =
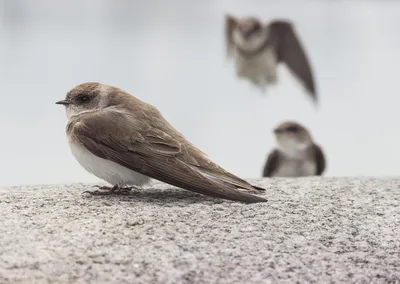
[258, 48]
[296, 155]
[126, 141]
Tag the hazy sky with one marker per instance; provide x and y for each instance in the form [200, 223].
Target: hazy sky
[172, 55]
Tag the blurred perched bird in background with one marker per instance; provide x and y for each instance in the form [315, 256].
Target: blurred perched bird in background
[258, 48]
[296, 155]
[126, 141]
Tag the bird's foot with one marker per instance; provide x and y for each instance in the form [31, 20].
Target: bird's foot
[271, 79]
[263, 89]
[106, 190]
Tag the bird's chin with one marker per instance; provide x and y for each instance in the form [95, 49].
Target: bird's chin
[70, 112]
[248, 44]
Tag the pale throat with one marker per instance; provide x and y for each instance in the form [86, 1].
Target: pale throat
[72, 111]
[294, 149]
[249, 44]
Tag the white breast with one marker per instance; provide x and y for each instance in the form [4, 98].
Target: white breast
[259, 69]
[295, 168]
[107, 170]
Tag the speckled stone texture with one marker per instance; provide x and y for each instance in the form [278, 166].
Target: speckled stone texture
[312, 230]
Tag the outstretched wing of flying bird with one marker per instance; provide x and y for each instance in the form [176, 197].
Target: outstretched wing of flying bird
[290, 51]
[230, 25]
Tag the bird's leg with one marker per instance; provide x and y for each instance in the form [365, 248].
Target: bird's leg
[106, 190]
[271, 65]
[129, 188]
[123, 190]
[104, 187]
[271, 77]
[262, 86]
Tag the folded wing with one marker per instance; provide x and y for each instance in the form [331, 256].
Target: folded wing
[320, 160]
[157, 154]
[271, 164]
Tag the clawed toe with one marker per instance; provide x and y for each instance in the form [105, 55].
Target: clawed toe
[106, 190]
[98, 192]
[122, 191]
[103, 187]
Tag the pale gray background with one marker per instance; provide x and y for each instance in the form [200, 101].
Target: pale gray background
[172, 54]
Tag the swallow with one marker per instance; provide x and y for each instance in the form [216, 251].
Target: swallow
[258, 48]
[296, 155]
[127, 142]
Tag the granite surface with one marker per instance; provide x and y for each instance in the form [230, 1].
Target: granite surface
[312, 230]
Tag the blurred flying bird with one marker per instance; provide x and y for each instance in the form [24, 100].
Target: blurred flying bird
[126, 142]
[258, 48]
[296, 155]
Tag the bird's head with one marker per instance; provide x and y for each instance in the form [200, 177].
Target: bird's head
[292, 138]
[85, 97]
[249, 33]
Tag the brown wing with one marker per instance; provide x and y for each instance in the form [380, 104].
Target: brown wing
[154, 153]
[230, 24]
[290, 51]
[271, 164]
[320, 160]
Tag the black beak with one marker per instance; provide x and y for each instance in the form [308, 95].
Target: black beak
[63, 102]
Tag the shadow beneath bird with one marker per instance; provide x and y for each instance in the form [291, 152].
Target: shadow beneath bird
[163, 197]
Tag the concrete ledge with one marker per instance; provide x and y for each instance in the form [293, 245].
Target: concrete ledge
[312, 230]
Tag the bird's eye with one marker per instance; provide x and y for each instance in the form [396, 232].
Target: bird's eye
[292, 129]
[84, 98]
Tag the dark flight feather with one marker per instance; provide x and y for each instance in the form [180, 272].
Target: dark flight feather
[320, 160]
[149, 150]
[271, 164]
[291, 52]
